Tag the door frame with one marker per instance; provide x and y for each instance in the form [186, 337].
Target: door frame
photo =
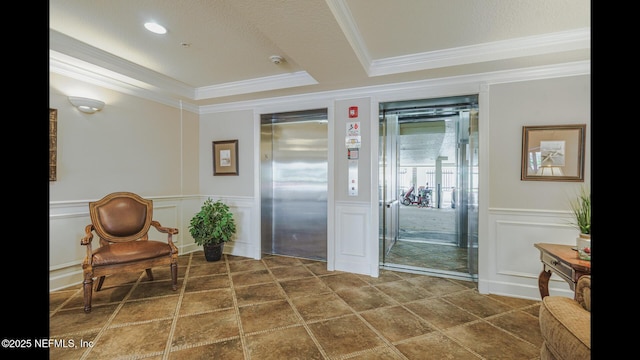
[472, 264]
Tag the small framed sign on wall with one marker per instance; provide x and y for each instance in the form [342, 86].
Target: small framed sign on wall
[225, 157]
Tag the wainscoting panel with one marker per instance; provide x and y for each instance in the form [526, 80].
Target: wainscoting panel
[513, 263]
[353, 244]
[247, 242]
[66, 227]
[67, 221]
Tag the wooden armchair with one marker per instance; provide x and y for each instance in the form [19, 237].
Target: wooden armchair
[122, 221]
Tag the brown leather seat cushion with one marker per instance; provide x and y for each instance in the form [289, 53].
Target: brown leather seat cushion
[117, 253]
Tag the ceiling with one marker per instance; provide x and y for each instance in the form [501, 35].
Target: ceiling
[218, 51]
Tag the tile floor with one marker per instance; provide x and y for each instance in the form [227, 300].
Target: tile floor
[427, 243]
[425, 255]
[290, 308]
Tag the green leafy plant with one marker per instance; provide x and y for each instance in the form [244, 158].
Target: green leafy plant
[213, 224]
[581, 208]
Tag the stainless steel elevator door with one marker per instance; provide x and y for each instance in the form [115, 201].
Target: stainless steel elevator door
[294, 181]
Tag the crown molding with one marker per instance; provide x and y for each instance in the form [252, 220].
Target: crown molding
[83, 55]
[476, 82]
[346, 22]
[89, 73]
[499, 50]
[78, 60]
[283, 81]
[71, 53]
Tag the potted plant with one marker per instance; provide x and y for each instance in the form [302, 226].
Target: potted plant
[211, 227]
[581, 208]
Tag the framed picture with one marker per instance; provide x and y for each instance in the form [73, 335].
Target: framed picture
[53, 144]
[225, 157]
[553, 153]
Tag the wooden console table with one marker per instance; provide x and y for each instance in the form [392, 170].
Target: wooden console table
[563, 261]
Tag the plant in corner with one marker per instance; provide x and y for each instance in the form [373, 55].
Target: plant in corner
[581, 209]
[211, 227]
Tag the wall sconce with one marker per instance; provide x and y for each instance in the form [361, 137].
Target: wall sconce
[86, 105]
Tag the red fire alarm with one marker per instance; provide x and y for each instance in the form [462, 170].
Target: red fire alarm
[353, 111]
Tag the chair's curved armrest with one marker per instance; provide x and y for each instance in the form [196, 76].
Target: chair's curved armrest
[583, 292]
[88, 235]
[164, 230]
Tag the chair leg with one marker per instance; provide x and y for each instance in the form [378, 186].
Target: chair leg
[149, 274]
[100, 282]
[174, 276]
[88, 289]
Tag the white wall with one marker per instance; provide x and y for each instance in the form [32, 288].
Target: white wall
[514, 214]
[237, 125]
[133, 145]
[132, 136]
[522, 213]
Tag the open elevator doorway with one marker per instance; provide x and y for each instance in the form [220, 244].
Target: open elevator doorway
[429, 149]
[294, 183]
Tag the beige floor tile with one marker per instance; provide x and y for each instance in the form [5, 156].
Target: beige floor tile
[216, 268]
[440, 313]
[211, 282]
[396, 323]
[205, 301]
[288, 308]
[147, 309]
[227, 350]
[273, 262]
[492, 343]
[343, 281]
[267, 316]
[321, 307]
[477, 304]
[434, 346]
[345, 335]
[256, 294]
[403, 291]
[205, 328]
[246, 265]
[139, 340]
[520, 324]
[366, 298]
[76, 320]
[154, 289]
[251, 278]
[75, 346]
[289, 343]
[291, 272]
[304, 287]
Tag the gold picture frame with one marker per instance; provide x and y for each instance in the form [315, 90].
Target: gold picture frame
[553, 153]
[225, 157]
[53, 144]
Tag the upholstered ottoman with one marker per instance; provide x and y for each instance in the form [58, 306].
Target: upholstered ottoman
[565, 324]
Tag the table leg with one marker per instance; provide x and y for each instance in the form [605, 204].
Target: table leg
[543, 283]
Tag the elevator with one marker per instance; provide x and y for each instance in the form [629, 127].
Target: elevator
[428, 149]
[294, 183]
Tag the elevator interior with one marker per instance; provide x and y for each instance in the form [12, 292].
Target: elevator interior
[293, 181]
[430, 143]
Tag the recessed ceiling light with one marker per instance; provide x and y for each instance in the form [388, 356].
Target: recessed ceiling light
[155, 28]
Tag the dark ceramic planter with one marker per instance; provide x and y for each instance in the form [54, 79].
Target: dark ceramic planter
[213, 252]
